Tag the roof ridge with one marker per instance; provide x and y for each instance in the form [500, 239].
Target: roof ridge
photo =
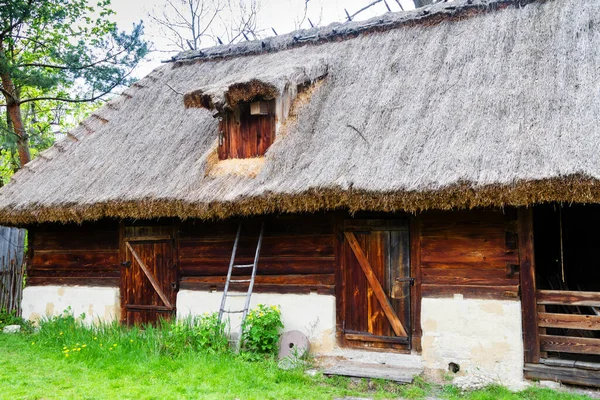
[344, 30]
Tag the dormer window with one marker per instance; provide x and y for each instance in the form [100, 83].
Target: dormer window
[247, 130]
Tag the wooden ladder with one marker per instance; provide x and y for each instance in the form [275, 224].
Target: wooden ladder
[250, 281]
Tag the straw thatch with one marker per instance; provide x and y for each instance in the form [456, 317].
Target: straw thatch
[474, 103]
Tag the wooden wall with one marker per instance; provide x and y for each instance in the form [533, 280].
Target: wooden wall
[297, 254]
[72, 254]
[473, 253]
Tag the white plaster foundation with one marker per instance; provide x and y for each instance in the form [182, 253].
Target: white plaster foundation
[98, 303]
[312, 314]
[484, 337]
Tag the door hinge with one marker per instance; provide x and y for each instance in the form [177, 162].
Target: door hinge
[126, 264]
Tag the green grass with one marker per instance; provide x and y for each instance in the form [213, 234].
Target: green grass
[67, 361]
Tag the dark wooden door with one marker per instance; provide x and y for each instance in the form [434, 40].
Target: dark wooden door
[377, 284]
[148, 274]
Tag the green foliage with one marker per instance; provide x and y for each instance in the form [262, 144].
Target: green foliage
[260, 333]
[72, 337]
[54, 56]
[111, 361]
[11, 318]
[202, 333]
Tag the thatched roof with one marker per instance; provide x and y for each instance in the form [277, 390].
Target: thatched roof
[466, 104]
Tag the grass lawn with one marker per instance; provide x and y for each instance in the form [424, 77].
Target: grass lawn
[34, 370]
[187, 359]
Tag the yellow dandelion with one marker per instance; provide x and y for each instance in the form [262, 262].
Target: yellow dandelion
[110, 348]
[32, 343]
[60, 333]
[84, 345]
[67, 355]
[131, 341]
[65, 347]
[79, 349]
[115, 345]
[100, 344]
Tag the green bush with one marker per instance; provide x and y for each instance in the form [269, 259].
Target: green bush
[260, 332]
[11, 318]
[202, 333]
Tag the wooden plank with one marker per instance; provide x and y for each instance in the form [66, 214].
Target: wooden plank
[573, 376]
[369, 337]
[568, 298]
[291, 246]
[310, 280]
[375, 285]
[150, 276]
[376, 371]
[531, 337]
[142, 307]
[260, 288]
[75, 260]
[157, 238]
[470, 291]
[469, 276]
[416, 270]
[569, 344]
[111, 281]
[569, 321]
[265, 267]
[559, 362]
[340, 282]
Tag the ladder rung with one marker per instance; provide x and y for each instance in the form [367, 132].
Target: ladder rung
[239, 280]
[233, 312]
[236, 295]
[243, 266]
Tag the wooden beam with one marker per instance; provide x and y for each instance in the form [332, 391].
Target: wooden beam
[376, 286]
[573, 376]
[569, 298]
[159, 238]
[531, 337]
[150, 276]
[368, 337]
[568, 344]
[416, 271]
[569, 321]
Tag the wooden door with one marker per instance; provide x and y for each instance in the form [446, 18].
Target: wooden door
[148, 274]
[377, 284]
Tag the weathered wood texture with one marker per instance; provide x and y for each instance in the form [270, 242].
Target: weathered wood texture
[373, 269]
[468, 253]
[573, 376]
[86, 254]
[149, 277]
[245, 135]
[297, 254]
[529, 308]
[12, 268]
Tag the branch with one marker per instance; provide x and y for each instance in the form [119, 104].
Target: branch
[87, 100]
[365, 8]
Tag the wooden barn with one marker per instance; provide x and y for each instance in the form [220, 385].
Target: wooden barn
[428, 181]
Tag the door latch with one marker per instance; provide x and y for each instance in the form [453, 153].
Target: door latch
[126, 264]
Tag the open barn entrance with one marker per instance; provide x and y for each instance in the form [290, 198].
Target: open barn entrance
[567, 267]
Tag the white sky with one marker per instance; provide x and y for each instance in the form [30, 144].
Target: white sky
[278, 14]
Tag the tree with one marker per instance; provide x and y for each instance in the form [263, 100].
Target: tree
[186, 23]
[57, 52]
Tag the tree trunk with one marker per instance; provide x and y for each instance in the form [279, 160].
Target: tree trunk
[14, 112]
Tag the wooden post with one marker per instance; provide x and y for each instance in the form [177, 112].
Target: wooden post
[531, 336]
[415, 266]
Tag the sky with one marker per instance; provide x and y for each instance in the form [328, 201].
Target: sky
[281, 15]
